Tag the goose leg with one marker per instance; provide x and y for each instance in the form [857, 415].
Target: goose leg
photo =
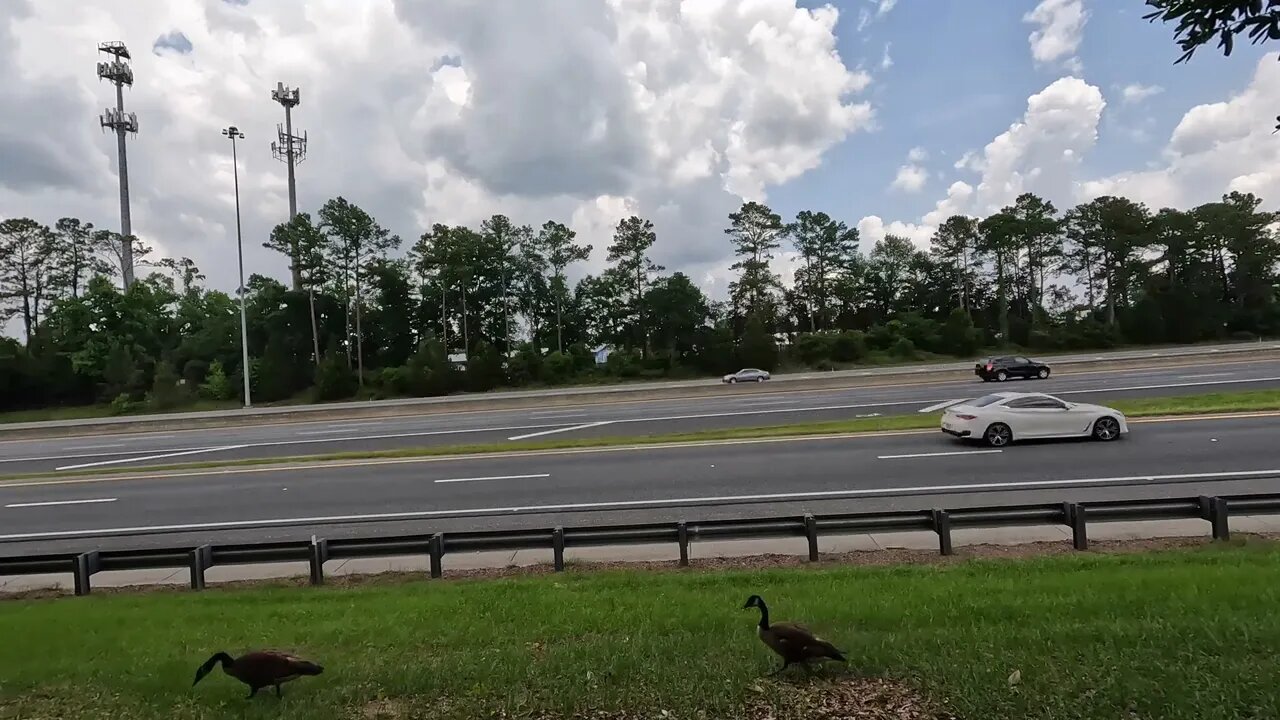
[253, 690]
[279, 692]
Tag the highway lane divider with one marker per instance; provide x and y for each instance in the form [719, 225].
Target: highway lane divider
[1204, 408]
[578, 397]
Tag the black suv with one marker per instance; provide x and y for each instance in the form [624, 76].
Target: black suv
[1010, 366]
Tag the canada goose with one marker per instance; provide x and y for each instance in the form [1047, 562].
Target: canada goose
[260, 669]
[793, 643]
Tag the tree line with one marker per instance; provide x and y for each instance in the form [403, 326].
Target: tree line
[473, 308]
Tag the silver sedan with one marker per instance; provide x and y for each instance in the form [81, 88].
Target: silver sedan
[746, 375]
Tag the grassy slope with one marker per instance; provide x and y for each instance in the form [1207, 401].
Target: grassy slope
[1180, 635]
[1259, 400]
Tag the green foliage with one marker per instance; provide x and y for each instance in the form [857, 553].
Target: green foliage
[959, 336]
[484, 368]
[849, 346]
[1201, 21]
[758, 348]
[1105, 273]
[167, 390]
[276, 375]
[216, 385]
[903, 349]
[558, 368]
[121, 374]
[334, 380]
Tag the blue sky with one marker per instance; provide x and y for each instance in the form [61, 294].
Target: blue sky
[962, 72]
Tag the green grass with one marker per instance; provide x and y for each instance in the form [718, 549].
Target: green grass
[1175, 635]
[1251, 401]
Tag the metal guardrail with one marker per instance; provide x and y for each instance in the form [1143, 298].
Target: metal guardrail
[1216, 510]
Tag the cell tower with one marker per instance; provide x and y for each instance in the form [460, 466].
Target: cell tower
[291, 149]
[117, 71]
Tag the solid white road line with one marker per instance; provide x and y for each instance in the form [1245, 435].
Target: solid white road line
[494, 477]
[91, 455]
[560, 430]
[624, 504]
[150, 457]
[51, 503]
[939, 406]
[938, 454]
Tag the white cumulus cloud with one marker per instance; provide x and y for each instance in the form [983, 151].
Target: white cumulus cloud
[422, 112]
[1059, 28]
[1137, 92]
[1216, 148]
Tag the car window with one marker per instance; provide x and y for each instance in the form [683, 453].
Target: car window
[1021, 403]
[986, 400]
[1047, 403]
[1022, 361]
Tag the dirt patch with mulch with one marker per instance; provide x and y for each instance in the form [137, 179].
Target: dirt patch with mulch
[864, 558]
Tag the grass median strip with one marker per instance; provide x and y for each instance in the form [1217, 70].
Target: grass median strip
[1176, 635]
[1209, 404]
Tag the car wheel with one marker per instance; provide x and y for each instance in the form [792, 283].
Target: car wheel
[733, 381]
[1043, 374]
[1106, 429]
[998, 435]
[1002, 376]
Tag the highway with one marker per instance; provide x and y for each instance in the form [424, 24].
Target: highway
[737, 407]
[573, 487]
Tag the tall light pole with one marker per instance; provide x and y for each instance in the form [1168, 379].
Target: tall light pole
[234, 134]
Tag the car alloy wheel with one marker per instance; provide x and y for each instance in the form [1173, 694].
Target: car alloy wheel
[1044, 373]
[1002, 376]
[733, 380]
[760, 379]
[998, 435]
[1106, 429]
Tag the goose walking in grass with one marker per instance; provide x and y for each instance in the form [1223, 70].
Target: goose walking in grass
[794, 643]
[260, 669]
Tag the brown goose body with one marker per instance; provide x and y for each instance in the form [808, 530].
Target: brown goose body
[260, 669]
[792, 642]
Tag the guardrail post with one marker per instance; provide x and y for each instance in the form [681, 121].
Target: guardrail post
[1214, 509]
[557, 548]
[86, 564]
[811, 534]
[682, 538]
[1075, 513]
[436, 548]
[199, 560]
[942, 526]
[319, 555]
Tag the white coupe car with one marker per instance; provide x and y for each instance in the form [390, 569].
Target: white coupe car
[1000, 418]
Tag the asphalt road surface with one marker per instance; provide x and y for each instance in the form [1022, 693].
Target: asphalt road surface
[724, 479]
[623, 419]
